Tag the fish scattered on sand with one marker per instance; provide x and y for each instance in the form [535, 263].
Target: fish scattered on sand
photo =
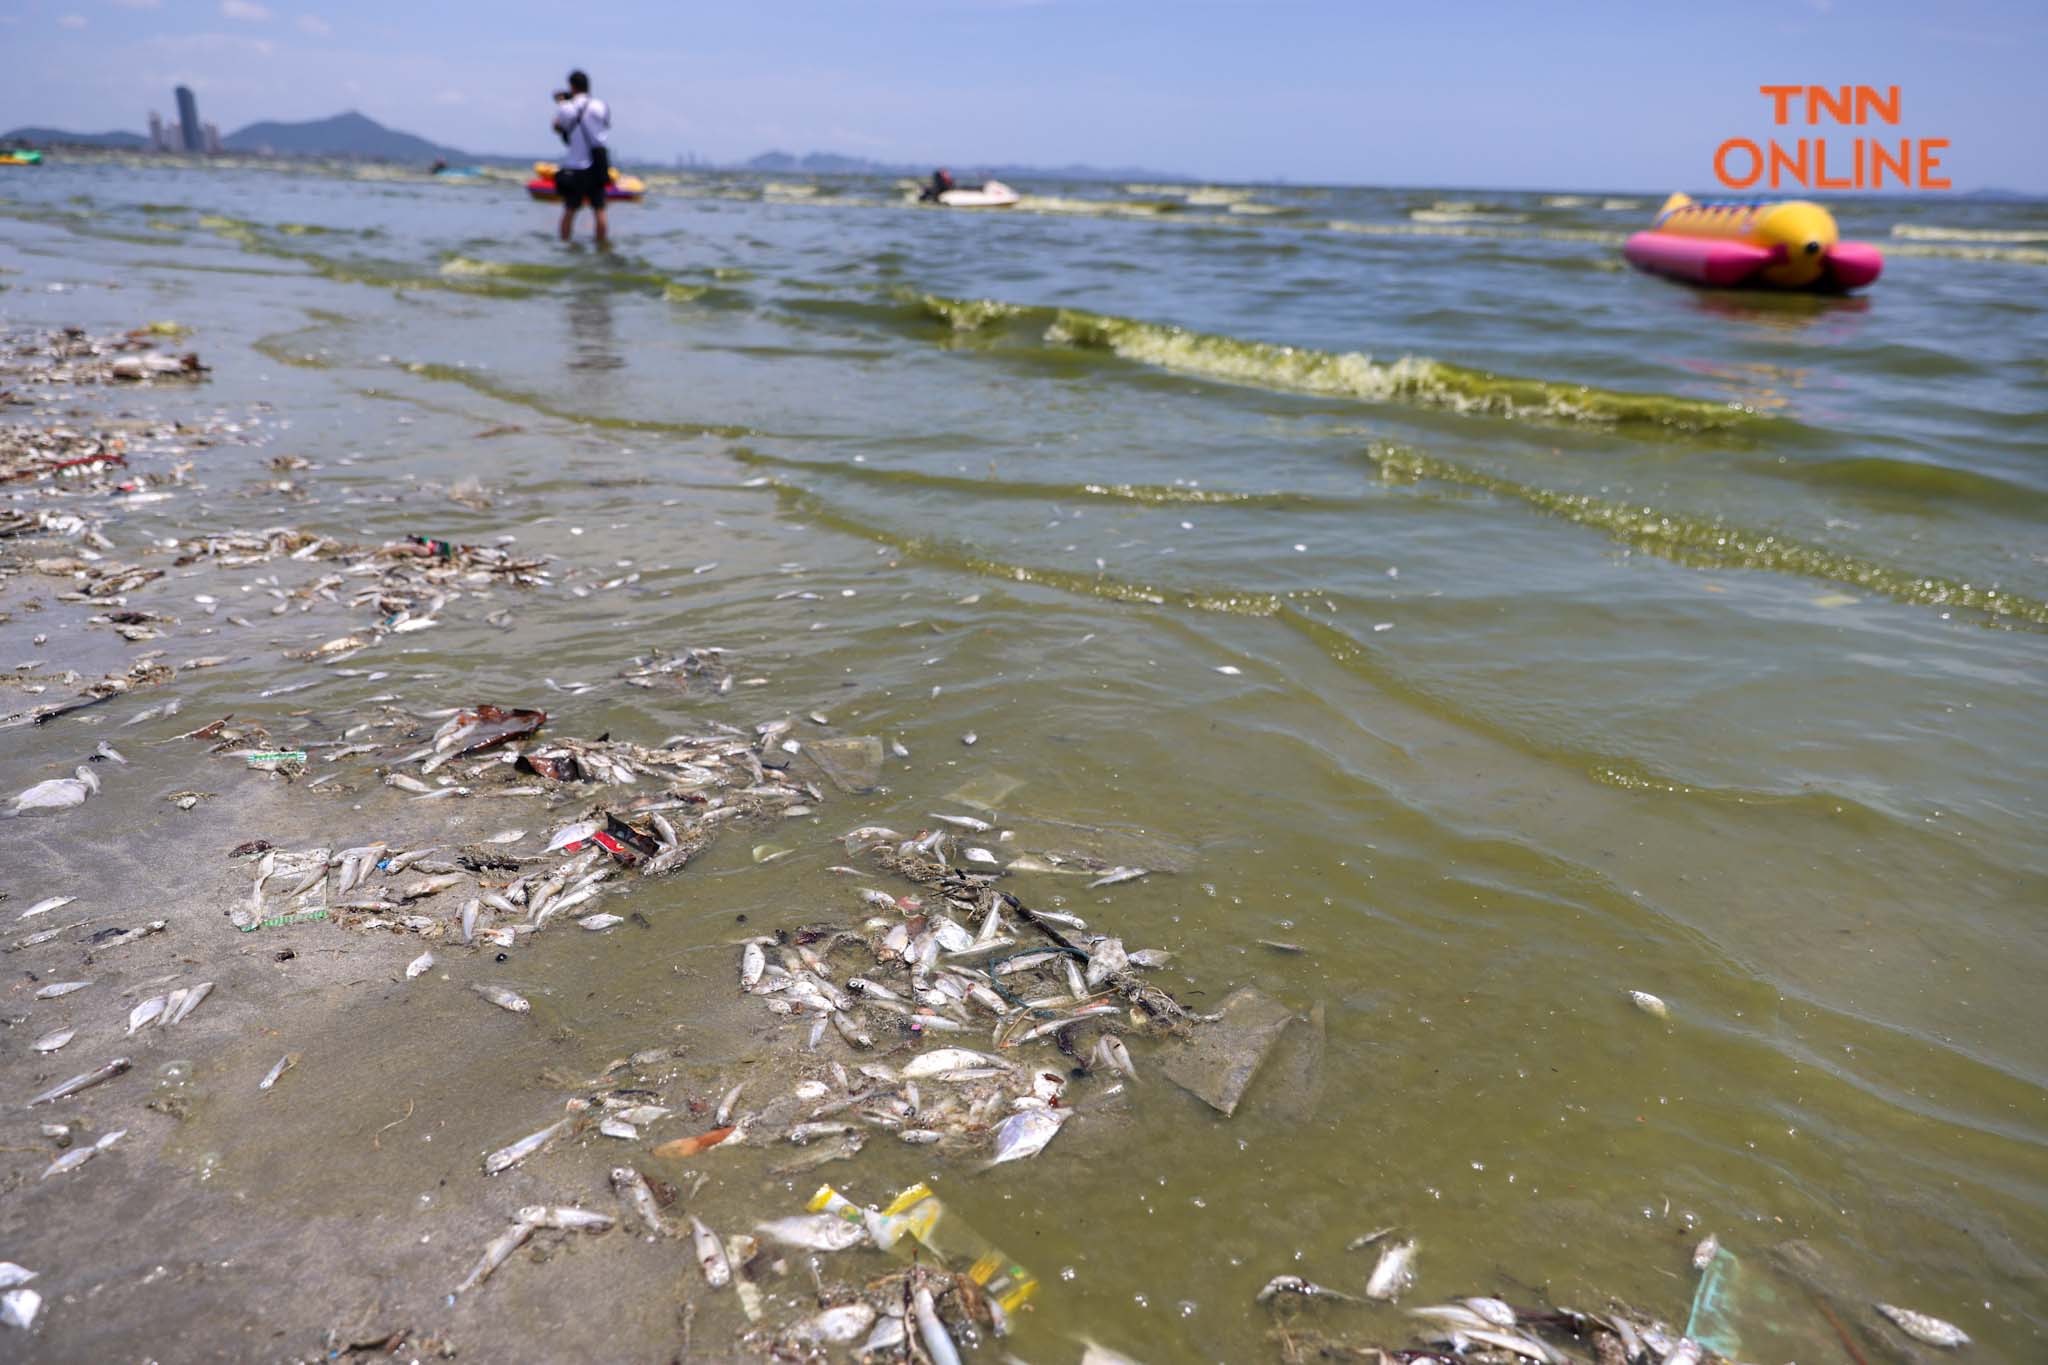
[1025, 1134]
[72, 1160]
[1649, 1004]
[284, 1064]
[507, 1157]
[498, 1251]
[83, 1081]
[1307, 1289]
[50, 1042]
[60, 988]
[638, 1197]
[419, 965]
[504, 999]
[814, 1232]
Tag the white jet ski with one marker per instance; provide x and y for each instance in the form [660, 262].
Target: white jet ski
[993, 194]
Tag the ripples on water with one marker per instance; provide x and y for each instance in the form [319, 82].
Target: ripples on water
[1594, 634]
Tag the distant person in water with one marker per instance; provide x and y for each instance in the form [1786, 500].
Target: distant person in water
[942, 180]
[585, 125]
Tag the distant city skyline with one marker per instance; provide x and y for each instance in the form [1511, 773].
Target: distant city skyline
[1564, 96]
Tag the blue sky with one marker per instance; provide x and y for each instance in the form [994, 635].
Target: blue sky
[1631, 96]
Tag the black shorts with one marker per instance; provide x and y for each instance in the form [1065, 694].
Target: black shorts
[580, 187]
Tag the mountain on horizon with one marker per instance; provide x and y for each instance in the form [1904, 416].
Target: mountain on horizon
[46, 137]
[349, 134]
[833, 163]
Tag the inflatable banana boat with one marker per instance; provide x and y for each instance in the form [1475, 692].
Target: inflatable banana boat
[1724, 243]
[619, 187]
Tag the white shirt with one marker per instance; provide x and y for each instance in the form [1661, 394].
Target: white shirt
[592, 129]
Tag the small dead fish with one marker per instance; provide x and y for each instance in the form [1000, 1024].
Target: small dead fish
[834, 1326]
[635, 1193]
[724, 1114]
[421, 964]
[1110, 1054]
[407, 783]
[810, 1132]
[144, 1014]
[284, 1064]
[50, 1042]
[71, 1161]
[507, 1157]
[601, 921]
[851, 1030]
[945, 1059]
[1294, 1284]
[930, 1330]
[1703, 1254]
[497, 1252]
[1025, 1134]
[1921, 1327]
[1497, 1312]
[1649, 1004]
[753, 962]
[59, 988]
[504, 999]
[191, 1002]
[710, 1255]
[84, 1081]
[128, 936]
[45, 906]
[814, 1232]
[1394, 1273]
[564, 1218]
[1118, 875]
[963, 822]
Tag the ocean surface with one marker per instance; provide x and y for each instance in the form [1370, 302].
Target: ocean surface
[1422, 587]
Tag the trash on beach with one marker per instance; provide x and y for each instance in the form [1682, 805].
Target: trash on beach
[276, 759]
[1218, 1063]
[853, 765]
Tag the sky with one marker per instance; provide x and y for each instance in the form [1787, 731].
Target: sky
[1557, 95]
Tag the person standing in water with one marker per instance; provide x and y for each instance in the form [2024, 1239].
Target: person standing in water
[585, 124]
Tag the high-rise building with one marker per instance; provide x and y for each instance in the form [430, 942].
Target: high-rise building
[212, 140]
[190, 134]
[156, 132]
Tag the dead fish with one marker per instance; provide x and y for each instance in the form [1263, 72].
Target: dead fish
[1106, 957]
[963, 822]
[71, 1161]
[1703, 1254]
[497, 1252]
[1394, 1273]
[814, 1232]
[636, 1195]
[600, 921]
[47, 905]
[1294, 1284]
[59, 793]
[1025, 1134]
[50, 1042]
[930, 1330]
[1921, 1327]
[724, 1114]
[470, 909]
[423, 963]
[1111, 1054]
[145, 1014]
[851, 1030]
[920, 1137]
[565, 1218]
[505, 1158]
[753, 962]
[504, 999]
[407, 783]
[128, 936]
[1118, 875]
[941, 1060]
[834, 1326]
[84, 1081]
[710, 1255]
[1649, 1004]
[970, 738]
[1496, 1312]
[191, 1002]
[284, 1064]
[59, 988]
[809, 1132]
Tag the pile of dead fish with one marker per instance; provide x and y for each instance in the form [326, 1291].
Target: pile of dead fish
[913, 972]
[692, 786]
[405, 583]
[72, 356]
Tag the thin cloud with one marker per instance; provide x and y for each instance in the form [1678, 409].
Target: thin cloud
[140, 4]
[244, 9]
[315, 25]
[72, 21]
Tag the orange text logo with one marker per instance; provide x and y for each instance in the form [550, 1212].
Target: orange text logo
[1872, 161]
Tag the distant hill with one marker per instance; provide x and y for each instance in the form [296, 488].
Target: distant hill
[832, 163]
[57, 137]
[350, 134]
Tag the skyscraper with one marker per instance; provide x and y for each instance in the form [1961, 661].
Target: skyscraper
[188, 121]
[156, 132]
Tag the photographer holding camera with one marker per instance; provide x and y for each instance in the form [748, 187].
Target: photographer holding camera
[584, 123]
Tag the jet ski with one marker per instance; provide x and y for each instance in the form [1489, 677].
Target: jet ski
[993, 194]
